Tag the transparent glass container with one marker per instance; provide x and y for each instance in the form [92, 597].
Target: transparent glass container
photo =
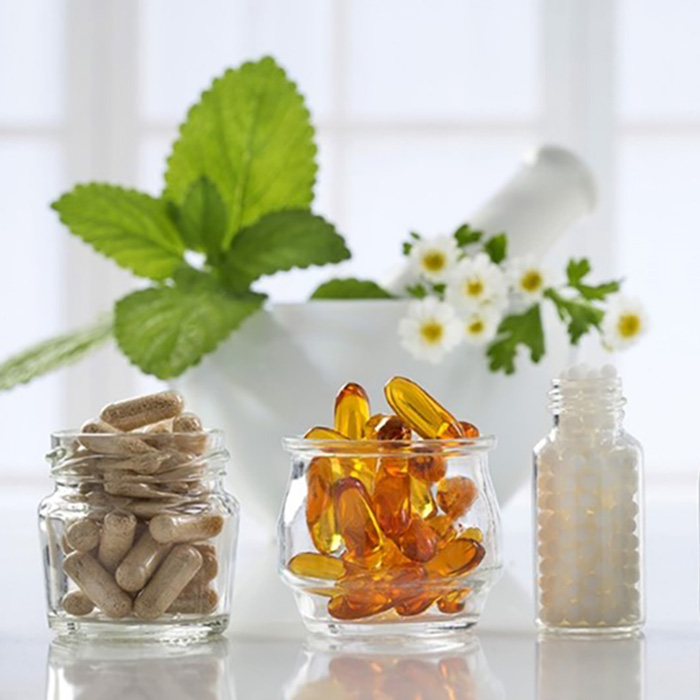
[370, 550]
[138, 542]
[588, 501]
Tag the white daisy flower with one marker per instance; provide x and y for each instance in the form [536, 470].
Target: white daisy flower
[434, 258]
[528, 278]
[477, 282]
[625, 321]
[480, 327]
[430, 330]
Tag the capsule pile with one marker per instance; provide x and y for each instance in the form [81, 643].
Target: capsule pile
[144, 547]
[388, 529]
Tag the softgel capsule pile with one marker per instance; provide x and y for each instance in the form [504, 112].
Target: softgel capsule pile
[394, 529]
[139, 527]
[588, 501]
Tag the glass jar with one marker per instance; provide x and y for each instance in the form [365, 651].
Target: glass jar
[370, 549]
[588, 507]
[138, 542]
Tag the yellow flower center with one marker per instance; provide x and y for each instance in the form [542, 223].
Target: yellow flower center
[629, 325]
[474, 287]
[476, 327]
[531, 281]
[432, 332]
[434, 261]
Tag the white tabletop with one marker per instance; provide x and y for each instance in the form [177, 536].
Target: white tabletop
[265, 659]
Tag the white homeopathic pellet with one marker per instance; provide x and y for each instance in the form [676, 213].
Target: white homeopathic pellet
[588, 523]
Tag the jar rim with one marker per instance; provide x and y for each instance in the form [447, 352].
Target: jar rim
[58, 435]
[379, 448]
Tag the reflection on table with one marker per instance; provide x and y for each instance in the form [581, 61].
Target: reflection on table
[570, 668]
[88, 671]
[459, 674]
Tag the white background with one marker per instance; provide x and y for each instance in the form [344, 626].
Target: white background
[423, 109]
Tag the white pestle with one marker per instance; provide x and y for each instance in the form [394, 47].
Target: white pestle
[552, 189]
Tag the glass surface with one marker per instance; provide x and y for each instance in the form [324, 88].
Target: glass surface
[382, 545]
[138, 544]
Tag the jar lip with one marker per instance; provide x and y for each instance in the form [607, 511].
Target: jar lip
[379, 448]
[75, 434]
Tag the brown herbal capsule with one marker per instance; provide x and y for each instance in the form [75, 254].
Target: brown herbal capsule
[102, 438]
[169, 527]
[143, 410]
[203, 603]
[176, 571]
[83, 535]
[140, 563]
[189, 423]
[118, 531]
[97, 584]
[77, 603]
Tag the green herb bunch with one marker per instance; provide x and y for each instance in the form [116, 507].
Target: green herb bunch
[237, 196]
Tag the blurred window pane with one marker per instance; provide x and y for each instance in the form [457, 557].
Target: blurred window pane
[31, 289]
[184, 46]
[31, 62]
[445, 59]
[658, 253]
[659, 56]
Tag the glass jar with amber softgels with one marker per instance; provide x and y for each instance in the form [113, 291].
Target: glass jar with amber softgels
[385, 537]
[139, 535]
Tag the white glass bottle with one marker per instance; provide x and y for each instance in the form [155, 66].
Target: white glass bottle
[588, 507]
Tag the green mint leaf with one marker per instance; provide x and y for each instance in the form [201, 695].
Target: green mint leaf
[418, 291]
[165, 330]
[465, 235]
[407, 248]
[580, 316]
[497, 248]
[251, 135]
[49, 355]
[517, 329]
[202, 218]
[280, 241]
[130, 227]
[350, 288]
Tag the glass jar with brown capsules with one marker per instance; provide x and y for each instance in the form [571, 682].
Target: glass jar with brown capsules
[139, 535]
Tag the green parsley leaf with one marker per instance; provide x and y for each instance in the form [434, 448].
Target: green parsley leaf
[517, 329]
[418, 291]
[580, 316]
[576, 270]
[202, 218]
[280, 241]
[251, 135]
[49, 355]
[465, 235]
[350, 288]
[130, 227]
[497, 248]
[165, 330]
